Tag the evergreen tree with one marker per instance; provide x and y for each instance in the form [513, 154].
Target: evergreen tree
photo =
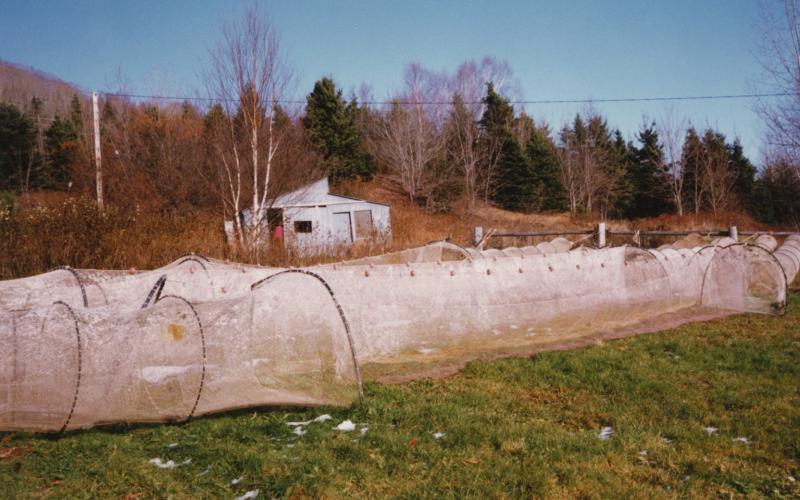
[331, 126]
[775, 198]
[513, 184]
[744, 172]
[59, 147]
[498, 117]
[647, 176]
[543, 160]
[690, 161]
[76, 116]
[17, 140]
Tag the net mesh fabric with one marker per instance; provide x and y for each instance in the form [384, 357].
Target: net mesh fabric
[83, 347]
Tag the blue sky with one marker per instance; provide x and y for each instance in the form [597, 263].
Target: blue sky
[558, 49]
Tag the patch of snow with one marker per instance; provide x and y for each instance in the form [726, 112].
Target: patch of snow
[237, 480]
[605, 433]
[710, 430]
[248, 495]
[346, 426]
[156, 374]
[438, 435]
[169, 464]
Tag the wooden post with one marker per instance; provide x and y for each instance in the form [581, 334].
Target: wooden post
[97, 159]
[478, 235]
[733, 232]
[601, 235]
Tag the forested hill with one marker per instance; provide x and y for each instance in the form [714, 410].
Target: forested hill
[19, 85]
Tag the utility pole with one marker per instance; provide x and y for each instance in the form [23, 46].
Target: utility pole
[97, 160]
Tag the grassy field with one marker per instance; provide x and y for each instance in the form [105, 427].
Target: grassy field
[704, 410]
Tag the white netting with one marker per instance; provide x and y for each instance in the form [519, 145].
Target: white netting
[84, 347]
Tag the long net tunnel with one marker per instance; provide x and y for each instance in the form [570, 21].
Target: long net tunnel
[80, 348]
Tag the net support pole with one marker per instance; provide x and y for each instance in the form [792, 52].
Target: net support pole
[601, 235]
[733, 232]
[478, 235]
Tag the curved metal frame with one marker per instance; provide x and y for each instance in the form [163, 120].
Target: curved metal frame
[203, 344]
[78, 278]
[346, 324]
[747, 245]
[80, 361]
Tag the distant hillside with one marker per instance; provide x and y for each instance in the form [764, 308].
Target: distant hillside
[19, 84]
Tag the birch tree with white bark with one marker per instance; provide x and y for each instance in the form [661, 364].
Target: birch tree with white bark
[250, 77]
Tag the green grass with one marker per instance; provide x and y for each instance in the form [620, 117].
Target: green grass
[516, 427]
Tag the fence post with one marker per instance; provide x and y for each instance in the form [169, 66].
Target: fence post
[733, 232]
[478, 236]
[601, 235]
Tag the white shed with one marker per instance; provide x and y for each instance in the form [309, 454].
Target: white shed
[312, 219]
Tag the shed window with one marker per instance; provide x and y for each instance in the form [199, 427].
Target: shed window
[363, 223]
[302, 226]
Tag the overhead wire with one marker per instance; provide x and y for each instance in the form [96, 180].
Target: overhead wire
[440, 103]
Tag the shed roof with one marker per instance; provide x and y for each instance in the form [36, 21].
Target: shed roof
[314, 194]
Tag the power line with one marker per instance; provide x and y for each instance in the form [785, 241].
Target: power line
[440, 103]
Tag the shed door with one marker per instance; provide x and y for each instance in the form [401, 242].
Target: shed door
[342, 227]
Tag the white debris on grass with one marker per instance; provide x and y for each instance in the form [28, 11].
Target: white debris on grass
[208, 469]
[741, 439]
[237, 480]
[299, 431]
[172, 445]
[248, 495]
[346, 426]
[363, 430]
[643, 453]
[666, 440]
[605, 433]
[438, 435]
[710, 430]
[169, 464]
[321, 418]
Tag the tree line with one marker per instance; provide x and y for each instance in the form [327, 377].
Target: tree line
[448, 140]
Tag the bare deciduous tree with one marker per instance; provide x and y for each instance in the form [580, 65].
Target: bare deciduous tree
[780, 59]
[717, 178]
[671, 133]
[250, 76]
[409, 135]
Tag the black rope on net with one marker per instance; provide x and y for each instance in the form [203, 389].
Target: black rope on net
[346, 324]
[80, 358]
[781, 307]
[203, 344]
[195, 255]
[77, 276]
[155, 292]
[194, 258]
